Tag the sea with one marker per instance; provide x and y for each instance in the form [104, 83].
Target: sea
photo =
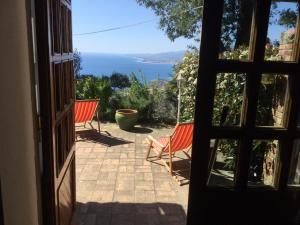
[100, 64]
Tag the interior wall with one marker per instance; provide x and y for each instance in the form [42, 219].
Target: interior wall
[18, 158]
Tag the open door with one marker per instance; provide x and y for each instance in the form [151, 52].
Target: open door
[244, 203]
[56, 85]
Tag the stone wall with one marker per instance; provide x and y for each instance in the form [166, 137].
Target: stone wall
[269, 167]
[286, 51]
[271, 158]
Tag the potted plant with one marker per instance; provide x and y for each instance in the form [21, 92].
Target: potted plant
[126, 118]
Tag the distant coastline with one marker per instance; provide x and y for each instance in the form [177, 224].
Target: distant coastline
[152, 66]
[151, 61]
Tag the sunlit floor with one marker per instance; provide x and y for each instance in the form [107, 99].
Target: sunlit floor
[115, 185]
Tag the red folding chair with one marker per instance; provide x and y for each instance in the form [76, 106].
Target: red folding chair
[86, 110]
[180, 140]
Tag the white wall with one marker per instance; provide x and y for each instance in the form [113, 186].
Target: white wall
[17, 144]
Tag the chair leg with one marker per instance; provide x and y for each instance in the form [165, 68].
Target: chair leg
[91, 125]
[84, 124]
[170, 163]
[98, 121]
[148, 152]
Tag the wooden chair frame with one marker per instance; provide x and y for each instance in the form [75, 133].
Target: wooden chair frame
[168, 164]
[95, 114]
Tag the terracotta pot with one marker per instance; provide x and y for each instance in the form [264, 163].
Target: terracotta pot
[126, 118]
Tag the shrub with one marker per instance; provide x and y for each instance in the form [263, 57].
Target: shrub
[229, 91]
[92, 87]
[188, 69]
[164, 101]
[118, 80]
[137, 97]
[156, 102]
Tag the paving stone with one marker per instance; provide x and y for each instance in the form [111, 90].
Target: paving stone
[144, 196]
[124, 196]
[103, 219]
[123, 219]
[141, 185]
[125, 185]
[103, 196]
[100, 149]
[115, 185]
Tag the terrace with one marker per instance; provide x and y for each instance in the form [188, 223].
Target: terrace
[115, 183]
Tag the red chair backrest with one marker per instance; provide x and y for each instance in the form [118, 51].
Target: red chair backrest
[85, 110]
[182, 137]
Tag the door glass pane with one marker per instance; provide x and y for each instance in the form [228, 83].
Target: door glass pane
[294, 178]
[229, 92]
[271, 100]
[236, 29]
[263, 163]
[222, 163]
[281, 32]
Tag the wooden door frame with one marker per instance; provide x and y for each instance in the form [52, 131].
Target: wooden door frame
[1, 206]
[45, 71]
[202, 197]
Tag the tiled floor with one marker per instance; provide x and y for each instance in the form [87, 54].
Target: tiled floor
[117, 186]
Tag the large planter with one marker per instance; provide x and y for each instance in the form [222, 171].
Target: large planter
[126, 118]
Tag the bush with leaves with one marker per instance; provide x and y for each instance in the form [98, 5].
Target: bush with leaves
[164, 99]
[137, 97]
[118, 80]
[91, 87]
[229, 91]
[188, 70]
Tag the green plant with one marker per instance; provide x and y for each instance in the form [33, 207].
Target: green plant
[188, 69]
[77, 63]
[91, 87]
[164, 101]
[229, 91]
[118, 80]
[136, 97]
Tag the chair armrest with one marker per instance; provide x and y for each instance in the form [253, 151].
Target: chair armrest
[155, 141]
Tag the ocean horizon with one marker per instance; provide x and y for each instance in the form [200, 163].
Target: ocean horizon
[103, 64]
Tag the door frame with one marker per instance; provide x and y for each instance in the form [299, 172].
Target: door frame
[46, 57]
[224, 205]
[44, 70]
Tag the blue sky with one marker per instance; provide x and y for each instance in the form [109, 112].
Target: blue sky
[274, 31]
[91, 15]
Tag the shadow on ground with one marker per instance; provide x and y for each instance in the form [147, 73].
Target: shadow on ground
[116, 213]
[104, 138]
[140, 130]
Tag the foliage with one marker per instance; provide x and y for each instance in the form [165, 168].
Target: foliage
[188, 70]
[156, 102]
[137, 97]
[118, 80]
[182, 18]
[179, 18]
[288, 18]
[229, 91]
[92, 87]
[77, 63]
[164, 101]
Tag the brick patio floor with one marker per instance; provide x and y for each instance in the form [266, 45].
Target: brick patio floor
[117, 186]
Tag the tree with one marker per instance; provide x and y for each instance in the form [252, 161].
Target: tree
[118, 80]
[288, 18]
[77, 63]
[182, 18]
[179, 18]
